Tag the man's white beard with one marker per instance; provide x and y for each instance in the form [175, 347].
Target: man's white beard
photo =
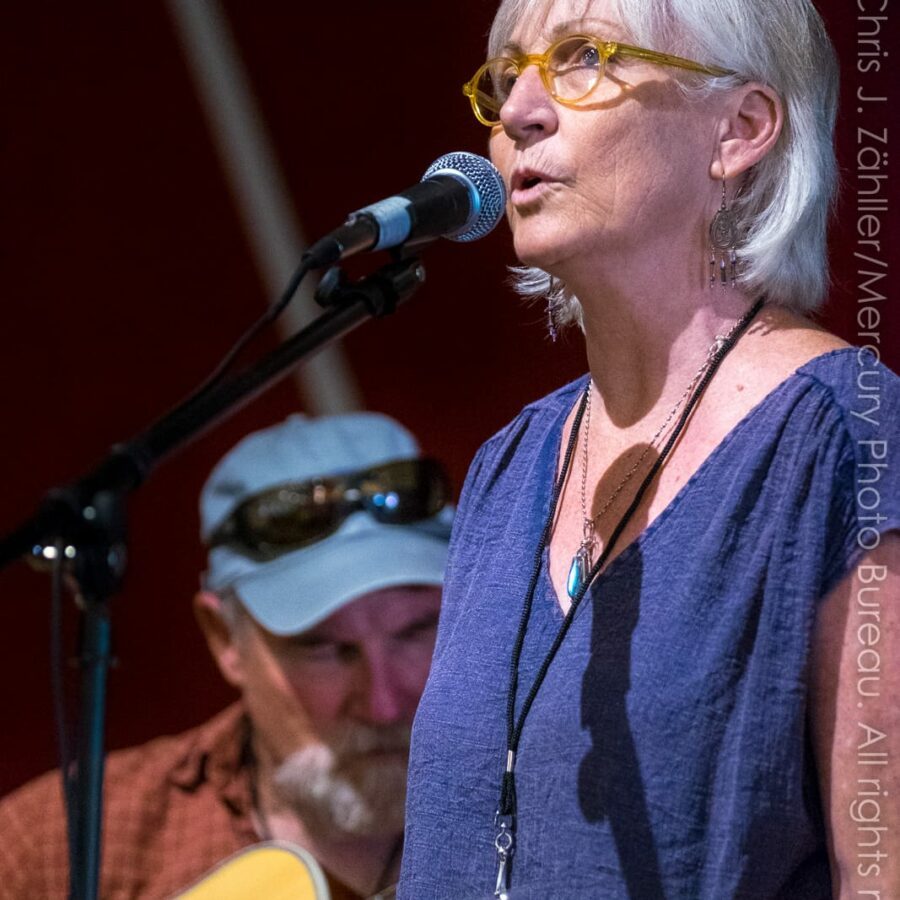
[344, 785]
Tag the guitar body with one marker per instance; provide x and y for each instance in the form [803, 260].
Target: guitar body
[276, 871]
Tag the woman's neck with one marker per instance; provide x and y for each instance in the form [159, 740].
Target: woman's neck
[643, 348]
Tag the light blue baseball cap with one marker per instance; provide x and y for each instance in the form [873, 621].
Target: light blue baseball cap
[300, 588]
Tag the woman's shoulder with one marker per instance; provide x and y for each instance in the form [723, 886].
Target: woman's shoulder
[834, 427]
[789, 366]
[851, 374]
[855, 396]
[844, 399]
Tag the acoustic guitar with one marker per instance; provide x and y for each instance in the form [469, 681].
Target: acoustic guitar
[276, 871]
[272, 870]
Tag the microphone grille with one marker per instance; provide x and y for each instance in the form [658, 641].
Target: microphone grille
[487, 188]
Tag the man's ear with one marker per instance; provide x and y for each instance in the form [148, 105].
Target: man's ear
[752, 120]
[221, 636]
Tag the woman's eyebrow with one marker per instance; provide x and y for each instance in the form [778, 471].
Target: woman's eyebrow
[594, 27]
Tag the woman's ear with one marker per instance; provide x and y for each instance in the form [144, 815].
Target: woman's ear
[752, 121]
[221, 635]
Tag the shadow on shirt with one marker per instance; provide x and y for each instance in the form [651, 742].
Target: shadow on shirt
[609, 780]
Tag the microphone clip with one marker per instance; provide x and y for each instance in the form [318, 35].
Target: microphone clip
[381, 292]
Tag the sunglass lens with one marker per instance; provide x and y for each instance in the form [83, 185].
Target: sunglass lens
[292, 515]
[405, 491]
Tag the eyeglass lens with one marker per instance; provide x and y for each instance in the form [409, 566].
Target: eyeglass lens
[574, 67]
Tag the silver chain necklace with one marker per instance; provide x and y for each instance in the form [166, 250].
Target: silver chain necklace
[584, 555]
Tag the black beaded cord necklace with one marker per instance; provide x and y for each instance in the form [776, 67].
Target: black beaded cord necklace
[505, 817]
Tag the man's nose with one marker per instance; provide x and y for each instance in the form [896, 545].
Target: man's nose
[380, 694]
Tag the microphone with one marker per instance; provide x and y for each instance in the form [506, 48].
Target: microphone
[461, 197]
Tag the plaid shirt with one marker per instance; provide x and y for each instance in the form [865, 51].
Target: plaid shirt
[174, 808]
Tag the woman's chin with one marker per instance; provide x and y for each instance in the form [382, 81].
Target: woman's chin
[536, 250]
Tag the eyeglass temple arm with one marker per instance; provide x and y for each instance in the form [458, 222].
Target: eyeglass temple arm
[665, 59]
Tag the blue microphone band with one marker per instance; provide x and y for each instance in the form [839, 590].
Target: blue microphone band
[394, 222]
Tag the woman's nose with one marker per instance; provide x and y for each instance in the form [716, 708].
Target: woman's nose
[529, 109]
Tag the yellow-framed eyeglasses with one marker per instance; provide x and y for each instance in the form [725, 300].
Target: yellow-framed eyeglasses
[570, 69]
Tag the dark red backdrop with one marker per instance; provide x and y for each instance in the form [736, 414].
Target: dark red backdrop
[127, 275]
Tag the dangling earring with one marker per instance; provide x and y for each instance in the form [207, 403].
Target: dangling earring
[553, 303]
[723, 241]
[551, 322]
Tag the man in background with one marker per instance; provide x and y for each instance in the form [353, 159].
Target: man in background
[327, 544]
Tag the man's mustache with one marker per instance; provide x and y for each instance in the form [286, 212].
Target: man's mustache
[359, 740]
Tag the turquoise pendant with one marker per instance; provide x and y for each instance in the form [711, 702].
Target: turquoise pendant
[578, 571]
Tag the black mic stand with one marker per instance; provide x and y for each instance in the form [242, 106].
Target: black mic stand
[82, 526]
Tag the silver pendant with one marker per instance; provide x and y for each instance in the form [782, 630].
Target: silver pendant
[578, 571]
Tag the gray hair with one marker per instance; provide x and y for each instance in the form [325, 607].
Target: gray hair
[785, 201]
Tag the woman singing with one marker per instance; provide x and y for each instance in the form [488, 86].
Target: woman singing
[649, 679]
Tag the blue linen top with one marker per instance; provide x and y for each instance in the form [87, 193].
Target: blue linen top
[667, 753]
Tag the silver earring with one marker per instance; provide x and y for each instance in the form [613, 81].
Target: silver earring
[553, 304]
[551, 322]
[723, 242]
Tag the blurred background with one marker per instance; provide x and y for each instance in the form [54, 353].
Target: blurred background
[163, 165]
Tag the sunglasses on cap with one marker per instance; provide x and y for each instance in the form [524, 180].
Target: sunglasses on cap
[295, 514]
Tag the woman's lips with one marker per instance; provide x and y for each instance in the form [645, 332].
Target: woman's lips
[529, 185]
[529, 190]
